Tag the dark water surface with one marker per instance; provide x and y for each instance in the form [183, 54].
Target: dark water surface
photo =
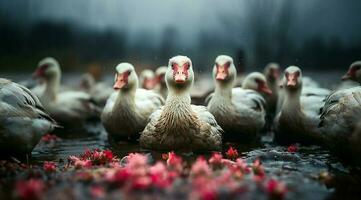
[310, 173]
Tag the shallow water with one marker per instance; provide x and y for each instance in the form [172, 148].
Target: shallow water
[307, 172]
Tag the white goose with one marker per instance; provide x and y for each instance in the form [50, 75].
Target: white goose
[239, 111]
[178, 125]
[23, 120]
[161, 86]
[147, 79]
[99, 91]
[299, 116]
[70, 109]
[354, 72]
[126, 112]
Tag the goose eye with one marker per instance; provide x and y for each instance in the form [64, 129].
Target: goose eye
[297, 73]
[129, 72]
[174, 66]
[44, 66]
[186, 66]
[357, 67]
[227, 64]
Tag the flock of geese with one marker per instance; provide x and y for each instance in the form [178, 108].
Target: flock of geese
[156, 109]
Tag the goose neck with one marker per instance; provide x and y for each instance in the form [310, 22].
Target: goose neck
[52, 86]
[223, 91]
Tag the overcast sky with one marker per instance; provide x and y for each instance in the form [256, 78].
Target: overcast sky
[329, 18]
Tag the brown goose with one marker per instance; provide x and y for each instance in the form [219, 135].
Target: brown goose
[178, 125]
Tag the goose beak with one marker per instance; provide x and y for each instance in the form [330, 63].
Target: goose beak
[347, 76]
[180, 78]
[221, 76]
[122, 80]
[275, 73]
[291, 83]
[38, 73]
[264, 88]
[292, 80]
[148, 83]
[159, 78]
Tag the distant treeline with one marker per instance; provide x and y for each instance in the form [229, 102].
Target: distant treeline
[22, 46]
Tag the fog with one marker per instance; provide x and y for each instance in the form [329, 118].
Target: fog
[254, 32]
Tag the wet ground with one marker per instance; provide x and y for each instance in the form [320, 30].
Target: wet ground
[309, 172]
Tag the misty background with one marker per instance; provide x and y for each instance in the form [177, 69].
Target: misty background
[313, 34]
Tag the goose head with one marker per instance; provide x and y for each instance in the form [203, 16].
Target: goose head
[147, 79]
[272, 72]
[256, 81]
[224, 71]
[87, 81]
[179, 75]
[125, 77]
[48, 68]
[354, 72]
[292, 80]
[160, 75]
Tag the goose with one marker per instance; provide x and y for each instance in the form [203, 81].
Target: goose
[298, 118]
[161, 86]
[70, 109]
[354, 72]
[306, 91]
[239, 111]
[340, 121]
[272, 74]
[23, 120]
[179, 125]
[127, 110]
[99, 91]
[147, 79]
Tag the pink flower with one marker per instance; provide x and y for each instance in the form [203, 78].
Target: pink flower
[119, 176]
[276, 190]
[243, 166]
[159, 175]
[136, 160]
[141, 183]
[200, 168]
[29, 189]
[175, 163]
[232, 153]
[258, 171]
[108, 154]
[82, 164]
[94, 157]
[48, 138]
[216, 160]
[49, 166]
[204, 188]
[97, 192]
[292, 148]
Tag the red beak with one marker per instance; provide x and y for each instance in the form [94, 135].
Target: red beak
[292, 79]
[180, 78]
[122, 80]
[221, 76]
[264, 88]
[351, 73]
